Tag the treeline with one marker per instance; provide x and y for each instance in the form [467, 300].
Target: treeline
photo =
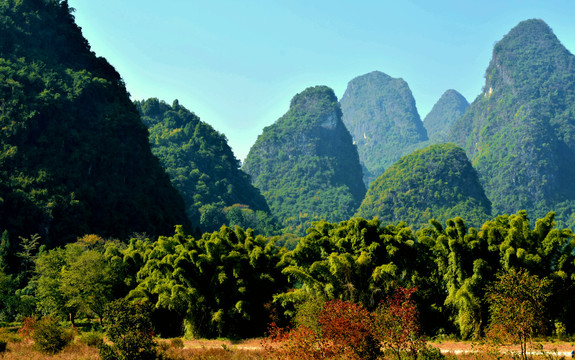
[233, 283]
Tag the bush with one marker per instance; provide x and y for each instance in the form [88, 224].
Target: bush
[430, 353]
[92, 338]
[177, 343]
[3, 345]
[50, 336]
[9, 336]
[129, 327]
[28, 324]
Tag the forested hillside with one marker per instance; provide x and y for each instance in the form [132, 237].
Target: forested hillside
[519, 134]
[74, 154]
[381, 116]
[94, 235]
[204, 169]
[450, 107]
[306, 165]
[437, 182]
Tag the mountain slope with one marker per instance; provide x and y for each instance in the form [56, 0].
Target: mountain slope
[306, 165]
[520, 133]
[74, 155]
[201, 166]
[450, 107]
[381, 116]
[435, 182]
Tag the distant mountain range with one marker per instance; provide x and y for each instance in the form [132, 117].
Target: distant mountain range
[78, 156]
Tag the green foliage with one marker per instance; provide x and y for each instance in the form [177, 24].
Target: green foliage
[356, 260]
[381, 116]
[74, 280]
[468, 260]
[129, 328]
[92, 338]
[49, 336]
[203, 168]
[436, 182]
[517, 307]
[306, 165]
[72, 145]
[219, 284]
[519, 134]
[450, 107]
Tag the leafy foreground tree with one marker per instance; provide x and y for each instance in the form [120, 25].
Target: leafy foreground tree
[396, 324]
[517, 306]
[129, 328]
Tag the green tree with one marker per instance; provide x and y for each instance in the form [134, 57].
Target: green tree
[129, 328]
[219, 285]
[74, 280]
[517, 307]
[356, 260]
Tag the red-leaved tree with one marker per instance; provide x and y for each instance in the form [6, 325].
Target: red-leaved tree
[396, 323]
[340, 330]
[348, 326]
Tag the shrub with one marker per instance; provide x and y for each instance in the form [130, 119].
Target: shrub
[92, 338]
[177, 343]
[129, 328]
[339, 330]
[430, 353]
[9, 336]
[28, 324]
[50, 336]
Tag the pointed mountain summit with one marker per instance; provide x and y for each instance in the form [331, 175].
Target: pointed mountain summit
[450, 107]
[75, 157]
[381, 116]
[520, 133]
[306, 165]
[437, 182]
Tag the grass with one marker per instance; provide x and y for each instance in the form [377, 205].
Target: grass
[222, 349]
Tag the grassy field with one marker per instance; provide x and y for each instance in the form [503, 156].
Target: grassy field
[223, 349]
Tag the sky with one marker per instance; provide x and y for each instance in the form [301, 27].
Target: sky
[237, 63]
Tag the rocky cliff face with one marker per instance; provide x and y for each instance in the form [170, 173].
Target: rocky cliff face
[450, 107]
[381, 115]
[520, 133]
[306, 165]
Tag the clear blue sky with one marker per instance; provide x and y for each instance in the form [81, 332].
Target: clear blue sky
[237, 64]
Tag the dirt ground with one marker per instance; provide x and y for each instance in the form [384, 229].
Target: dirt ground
[455, 347]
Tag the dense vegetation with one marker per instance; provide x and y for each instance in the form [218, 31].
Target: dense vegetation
[77, 178]
[74, 156]
[306, 165]
[436, 182]
[204, 169]
[450, 107]
[381, 116]
[518, 134]
[233, 283]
